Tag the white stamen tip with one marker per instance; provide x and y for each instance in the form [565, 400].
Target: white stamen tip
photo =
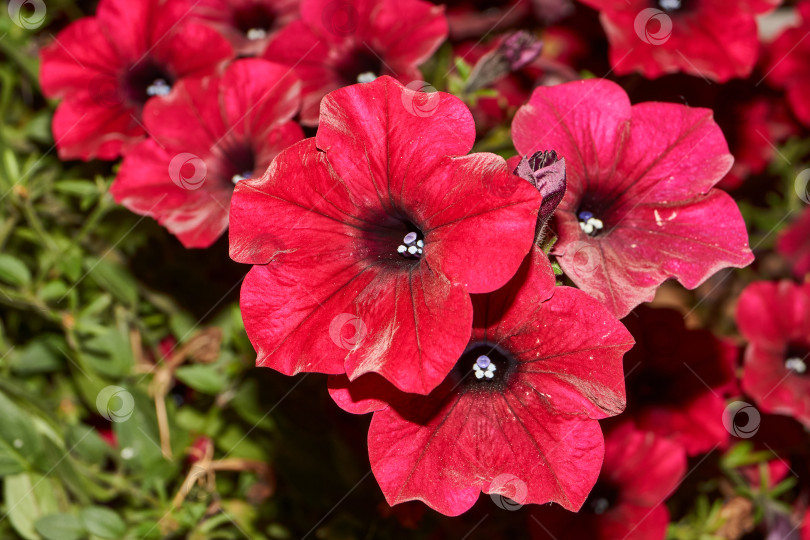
[256, 33]
[368, 76]
[412, 250]
[402, 249]
[420, 243]
[479, 374]
[796, 364]
[158, 88]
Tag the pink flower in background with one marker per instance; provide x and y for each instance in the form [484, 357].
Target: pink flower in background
[517, 415]
[368, 239]
[640, 206]
[794, 244]
[675, 379]
[248, 24]
[107, 67]
[775, 319]
[640, 472]
[788, 65]
[342, 42]
[714, 39]
[209, 134]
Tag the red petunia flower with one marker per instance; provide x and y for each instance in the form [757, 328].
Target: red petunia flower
[675, 379]
[714, 39]
[369, 238]
[787, 65]
[794, 244]
[641, 470]
[775, 319]
[109, 66]
[749, 127]
[342, 42]
[517, 415]
[207, 135]
[248, 24]
[640, 207]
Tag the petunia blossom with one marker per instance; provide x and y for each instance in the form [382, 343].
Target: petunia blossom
[787, 64]
[641, 471]
[517, 416]
[207, 135]
[775, 319]
[713, 39]
[640, 207]
[107, 67]
[368, 239]
[793, 243]
[342, 42]
[248, 24]
[675, 379]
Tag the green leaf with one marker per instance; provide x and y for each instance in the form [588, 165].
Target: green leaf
[78, 188]
[28, 497]
[17, 433]
[205, 379]
[13, 271]
[113, 278]
[37, 357]
[103, 522]
[60, 527]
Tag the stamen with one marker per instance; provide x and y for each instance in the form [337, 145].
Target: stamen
[589, 224]
[159, 87]
[796, 365]
[670, 5]
[484, 367]
[367, 76]
[256, 33]
[239, 177]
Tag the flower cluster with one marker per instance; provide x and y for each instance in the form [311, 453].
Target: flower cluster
[469, 266]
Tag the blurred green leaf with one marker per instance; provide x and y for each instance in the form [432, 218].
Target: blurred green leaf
[60, 527]
[203, 378]
[13, 271]
[103, 522]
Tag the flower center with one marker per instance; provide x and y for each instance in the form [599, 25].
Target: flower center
[360, 65]
[240, 162]
[145, 81]
[602, 498]
[796, 358]
[589, 224]
[254, 21]
[412, 245]
[485, 366]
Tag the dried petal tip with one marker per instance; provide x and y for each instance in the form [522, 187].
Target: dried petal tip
[520, 49]
[546, 172]
[515, 52]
